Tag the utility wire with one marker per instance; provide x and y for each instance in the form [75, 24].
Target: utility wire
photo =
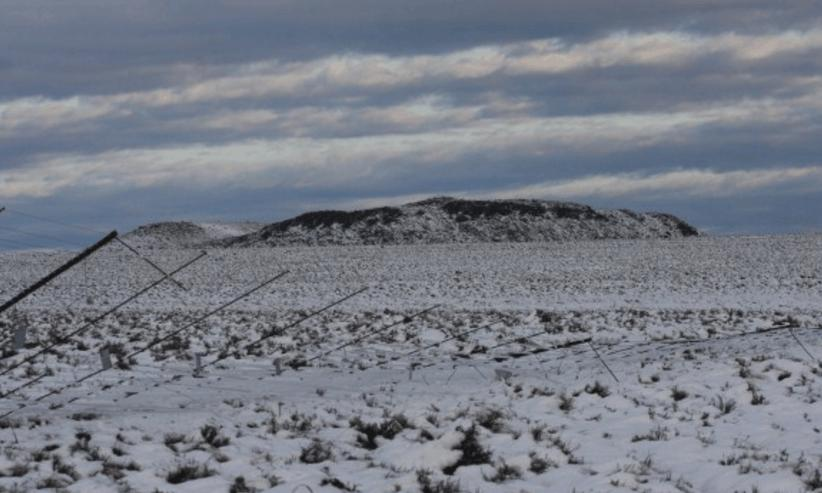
[52, 221]
[594, 349]
[87, 229]
[251, 345]
[143, 349]
[275, 332]
[38, 235]
[168, 336]
[405, 320]
[21, 244]
[66, 338]
[793, 334]
[58, 272]
[216, 310]
[149, 262]
[430, 346]
[439, 343]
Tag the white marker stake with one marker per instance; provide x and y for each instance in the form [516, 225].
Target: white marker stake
[19, 338]
[105, 358]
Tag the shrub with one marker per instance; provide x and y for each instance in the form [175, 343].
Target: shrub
[427, 485]
[566, 402]
[504, 472]
[54, 482]
[172, 439]
[491, 420]
[388, 429]
[678, 394]
[756, 397]
[239, 486]
[189, 472]
[473, 453]
[58, 466]
[598, 389]
[337, 483]
[114, 470]
[211, 435]
[724, 406]
[538, 464]
[318, 451]
[82, 443]
[655, 435]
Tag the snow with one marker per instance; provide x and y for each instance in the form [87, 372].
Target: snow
[708, 399]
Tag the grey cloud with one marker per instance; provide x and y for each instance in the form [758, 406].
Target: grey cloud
[94, 46]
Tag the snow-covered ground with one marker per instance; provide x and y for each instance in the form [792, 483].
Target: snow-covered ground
[513, 399]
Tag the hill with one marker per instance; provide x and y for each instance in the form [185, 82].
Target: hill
[184, 234]
[450, 220]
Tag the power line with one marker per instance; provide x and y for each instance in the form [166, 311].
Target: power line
[523, 338]
[149, 262]
[164, 338]
[275, 332]
[790, 330]
[431, 346]
[439, 343]
[248, 347]
[66, 338]
[21, 244]
[145, 348]
[219, 309]
[405, 320]
[594, 349]
[37, 235]
[60, 270]
[53, 221]
[87, 229]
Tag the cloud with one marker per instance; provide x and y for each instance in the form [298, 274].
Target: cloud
[690, 182]
[319, 102]
[305, 162]
[349, 74]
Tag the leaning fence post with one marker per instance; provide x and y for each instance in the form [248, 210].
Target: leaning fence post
[105, 358]
[19, 338]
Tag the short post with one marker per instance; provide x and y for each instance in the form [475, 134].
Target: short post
[198, 365]
[19, 338]
[105, 358]
[278, 366]
[413, 366]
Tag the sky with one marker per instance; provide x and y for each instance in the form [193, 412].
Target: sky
[120, 113]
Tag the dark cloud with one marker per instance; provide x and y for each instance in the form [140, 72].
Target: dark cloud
[95, 46]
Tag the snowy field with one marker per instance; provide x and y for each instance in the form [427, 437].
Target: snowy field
[709, 386]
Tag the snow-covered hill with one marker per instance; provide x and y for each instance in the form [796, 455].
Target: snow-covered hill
[449, 220]
[182, 234]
